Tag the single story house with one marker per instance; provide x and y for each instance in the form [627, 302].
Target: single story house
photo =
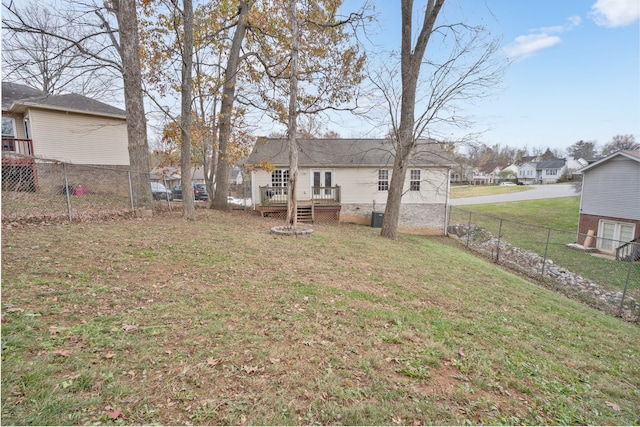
[348, 180]
[610, 203]
[66, 128]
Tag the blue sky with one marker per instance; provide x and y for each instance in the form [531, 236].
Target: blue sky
[575, 71]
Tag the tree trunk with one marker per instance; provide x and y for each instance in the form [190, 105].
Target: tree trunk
[228, 97]
[292, 200]
[133, 98]
[188, 202]
[411, 59]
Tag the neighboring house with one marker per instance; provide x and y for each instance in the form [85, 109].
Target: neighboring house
[461, 174]
[550, 171]
[527, 173]
[69, 128]
[488, 174]
[348, 180]
[542, 172]
[610, 201]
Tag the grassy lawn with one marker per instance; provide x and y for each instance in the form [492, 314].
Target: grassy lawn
[527, 227]
[485, 190]
[219, 322]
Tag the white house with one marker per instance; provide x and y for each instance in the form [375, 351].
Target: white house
[527, 173]
[347, 180]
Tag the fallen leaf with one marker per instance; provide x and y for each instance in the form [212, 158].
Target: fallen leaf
[613, 406]
[252, 369]
[109, 355]
[63, 353]
[274, 361]
[114, 414]
[213, 362]
[12, 309]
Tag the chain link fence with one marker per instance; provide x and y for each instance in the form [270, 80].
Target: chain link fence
[36, 190]
[553, 256]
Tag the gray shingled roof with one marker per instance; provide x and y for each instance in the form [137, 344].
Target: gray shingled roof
[16, 96]
[344, 153]
[551, 164]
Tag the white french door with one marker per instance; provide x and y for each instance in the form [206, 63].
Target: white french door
[319, 179]
[613, 234]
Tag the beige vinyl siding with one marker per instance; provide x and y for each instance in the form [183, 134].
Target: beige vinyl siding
[612, 189]
[79, 138]
[360, 185]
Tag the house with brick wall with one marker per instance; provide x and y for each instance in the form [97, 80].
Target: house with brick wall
[610, 202]
[347, 180]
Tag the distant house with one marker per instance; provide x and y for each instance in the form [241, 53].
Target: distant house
[550, 171]
[69, 128]
[527, 173]
[348, 180]
[488, 174]
[610, 202]
[542, 172]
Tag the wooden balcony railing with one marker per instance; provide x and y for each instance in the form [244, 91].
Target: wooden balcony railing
[18, 146]
[629, 251]
[274, 196]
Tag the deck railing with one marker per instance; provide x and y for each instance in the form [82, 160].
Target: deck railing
[19, 146]
[274, 196]
[629, 251]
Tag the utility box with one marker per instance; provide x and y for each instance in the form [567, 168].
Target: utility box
[376, 219]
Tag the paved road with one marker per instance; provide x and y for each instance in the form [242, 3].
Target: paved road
[535, 192]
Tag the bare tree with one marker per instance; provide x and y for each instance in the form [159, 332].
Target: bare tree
[125, 11]
[620, 142]
[303, 62]
[465, 73]
[186, 178]
[228, 98]
[48, 63]
[95, 39]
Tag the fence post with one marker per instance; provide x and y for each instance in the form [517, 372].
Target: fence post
[544, 259]
[626, 284]
[130, 191]
[469, 229]
[498, 248]
[67, 190]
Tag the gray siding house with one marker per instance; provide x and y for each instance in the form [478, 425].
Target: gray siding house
[610, 202]
[347, 180]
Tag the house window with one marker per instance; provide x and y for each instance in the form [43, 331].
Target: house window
[383, 180]
[280, 178]
[613, 234]
[8, 131]
[414, 180]
[552, 171]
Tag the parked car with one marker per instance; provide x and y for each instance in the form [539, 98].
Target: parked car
[507, 183]
[160, 192]
[199, 192]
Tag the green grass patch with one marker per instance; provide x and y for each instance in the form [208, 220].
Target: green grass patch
[484, 190]
[219, 322]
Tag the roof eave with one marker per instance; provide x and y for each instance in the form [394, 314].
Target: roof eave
[21, 107]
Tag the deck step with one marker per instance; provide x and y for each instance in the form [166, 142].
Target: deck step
[305, 214]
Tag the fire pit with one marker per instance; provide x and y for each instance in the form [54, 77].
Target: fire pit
[287, 230]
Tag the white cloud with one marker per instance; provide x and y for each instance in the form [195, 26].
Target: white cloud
[615, 13]
[525, 46]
